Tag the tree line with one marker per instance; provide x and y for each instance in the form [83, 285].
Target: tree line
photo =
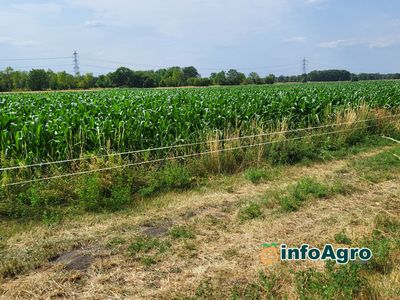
[40, 79]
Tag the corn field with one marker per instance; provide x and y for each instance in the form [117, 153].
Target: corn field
[48, 126]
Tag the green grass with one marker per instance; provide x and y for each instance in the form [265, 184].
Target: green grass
[146, 244]
[250, 211]
[342, 238]
[182, 232]
[381, 167]
[337, 282]
[257, 175]
[306, 188]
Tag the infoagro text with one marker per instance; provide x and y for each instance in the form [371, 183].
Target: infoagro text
[305, 252]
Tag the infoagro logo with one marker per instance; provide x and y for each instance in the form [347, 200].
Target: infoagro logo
[272, 254]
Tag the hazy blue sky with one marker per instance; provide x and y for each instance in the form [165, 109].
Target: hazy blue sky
[267, 36]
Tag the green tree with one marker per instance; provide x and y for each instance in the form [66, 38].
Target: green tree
[234, 77]
[122, 77]
[253, 78]
[189, 72]
[270, 79]
[38, 80]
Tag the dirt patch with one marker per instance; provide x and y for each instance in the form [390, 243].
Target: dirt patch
[156, 228]
[75, 260]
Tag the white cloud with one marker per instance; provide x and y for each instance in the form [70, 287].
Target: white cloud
[338, 44]
[380, 42]
[295, 39]
[94, 23]
[383, 43]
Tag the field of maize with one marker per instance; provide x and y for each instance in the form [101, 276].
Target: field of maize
[60, 125]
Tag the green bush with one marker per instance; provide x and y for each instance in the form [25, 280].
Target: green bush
[169, 178]
[89, 193]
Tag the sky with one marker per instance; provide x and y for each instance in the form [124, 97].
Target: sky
[266, 36]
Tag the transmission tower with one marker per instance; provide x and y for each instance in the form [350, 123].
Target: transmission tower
[304, 65]
[76, 63]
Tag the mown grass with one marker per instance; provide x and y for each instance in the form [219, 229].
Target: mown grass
[354, 280]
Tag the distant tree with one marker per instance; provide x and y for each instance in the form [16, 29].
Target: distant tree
[218, 78]
[19, 80]
[270, 79]
[103, 81]
[38, 80]
[234, 77]
[173, 77]
[354, 77]
[122, 77]
[253, 78]
[329, 75]
[189, 72]
[149, 82]
[7, 81]
[282, 78]
[86, 81]
[199, 81]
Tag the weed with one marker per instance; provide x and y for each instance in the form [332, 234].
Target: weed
[170, 177]
[120, 197]
[250, 211]
[145, 244]
[384, 243]
[90, 193]
[305, 189]
[266, 287]
[115, 242]
[342, 238]
[181, 232]
[148, 261]
[337, 282]
[204, 290]
[255, 175]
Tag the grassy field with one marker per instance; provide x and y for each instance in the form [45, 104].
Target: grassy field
[193, 228]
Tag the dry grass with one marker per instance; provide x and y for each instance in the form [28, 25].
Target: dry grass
[224, 251]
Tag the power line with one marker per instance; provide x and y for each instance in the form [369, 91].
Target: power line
[43, 66]
[39, 58]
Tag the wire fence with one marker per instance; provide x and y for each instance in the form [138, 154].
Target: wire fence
[170, 147]
[184, 156]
